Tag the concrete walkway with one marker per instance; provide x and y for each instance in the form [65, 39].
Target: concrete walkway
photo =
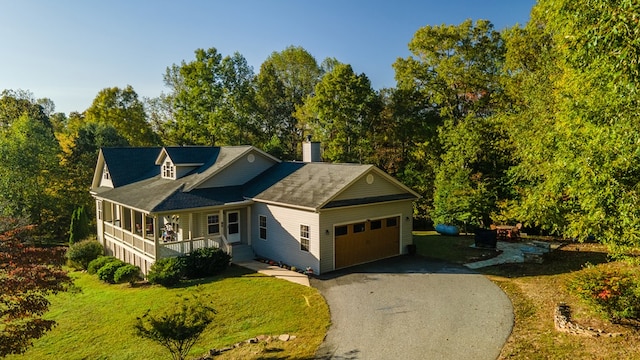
[275, 271]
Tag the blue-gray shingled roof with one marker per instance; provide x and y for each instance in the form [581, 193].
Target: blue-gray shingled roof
[128, 165]
[193, 154]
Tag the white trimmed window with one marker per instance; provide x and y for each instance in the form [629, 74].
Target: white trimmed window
[99, 209]
[105, 173]
[304, 237]
[262, 220]
[213, 224]
[168, 170]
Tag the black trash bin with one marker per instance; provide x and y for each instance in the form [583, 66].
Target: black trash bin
[411, 249]
[485, 238]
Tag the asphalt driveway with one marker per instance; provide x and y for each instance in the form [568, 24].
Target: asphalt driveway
[413, 308]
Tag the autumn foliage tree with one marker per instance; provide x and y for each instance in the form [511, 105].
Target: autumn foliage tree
[27, 275]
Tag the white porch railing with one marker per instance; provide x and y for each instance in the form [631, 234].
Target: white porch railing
[143, 245]
[177, 248]
[147, 245]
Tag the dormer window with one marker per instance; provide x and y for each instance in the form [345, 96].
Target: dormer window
[105, 173]
[168, 170]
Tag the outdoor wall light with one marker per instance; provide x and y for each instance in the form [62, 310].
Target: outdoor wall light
[326, 231]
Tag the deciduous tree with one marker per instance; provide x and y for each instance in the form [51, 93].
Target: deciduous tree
[27, 275]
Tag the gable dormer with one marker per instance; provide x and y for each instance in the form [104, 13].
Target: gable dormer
[176, 162]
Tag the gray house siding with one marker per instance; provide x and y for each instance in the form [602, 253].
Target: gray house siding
[342, 216]
[283, 235]
[363, 189]
[241, 171]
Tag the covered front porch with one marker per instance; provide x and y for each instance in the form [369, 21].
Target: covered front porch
[161, 235]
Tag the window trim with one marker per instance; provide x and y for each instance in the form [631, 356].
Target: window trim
[168, 170]
[306, 238]
[105, 173]
[213, 223]
[262, 227]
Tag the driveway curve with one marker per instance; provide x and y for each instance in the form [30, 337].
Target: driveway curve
[413, 308]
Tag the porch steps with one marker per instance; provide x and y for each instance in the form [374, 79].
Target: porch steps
[241, 253]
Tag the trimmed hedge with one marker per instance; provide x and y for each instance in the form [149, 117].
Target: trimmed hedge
[108, 271]
[206, 262]
[167, 271]
[99, 262]
[127, 273]
[83, 252]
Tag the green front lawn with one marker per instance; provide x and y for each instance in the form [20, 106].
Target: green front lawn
[96, 321]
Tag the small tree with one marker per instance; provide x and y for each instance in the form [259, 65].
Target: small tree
[177, 330]
[84, 252]
[27, 275]
[79, 228]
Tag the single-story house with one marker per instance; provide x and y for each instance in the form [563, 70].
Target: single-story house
[157, 202]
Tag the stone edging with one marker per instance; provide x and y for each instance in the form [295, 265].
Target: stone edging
[254, 340]
[562, 320]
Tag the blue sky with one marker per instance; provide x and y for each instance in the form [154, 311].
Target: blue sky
[68, 50]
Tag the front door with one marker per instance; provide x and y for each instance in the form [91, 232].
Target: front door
[233, 226]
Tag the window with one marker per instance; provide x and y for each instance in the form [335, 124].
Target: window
[168, 170]
[304, 237]
[263, 226]
[358, 228]
[99, 209]
[376, 224]
[391, 222]
[213, 224]
[105, 173]
[341, 230]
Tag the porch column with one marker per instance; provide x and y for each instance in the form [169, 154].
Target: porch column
[249, 225]
[155, 237]
[223, 229]
[190, 226]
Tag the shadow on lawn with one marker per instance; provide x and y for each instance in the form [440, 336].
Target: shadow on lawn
[231, 272]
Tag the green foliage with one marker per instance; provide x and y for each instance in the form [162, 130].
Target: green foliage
[213, 100]
[99, 262]
[83, 252]
[122, 109]
[206, 262]
[167, 271]
[614, 292]
[285, 80]
[107, 272]
[177, 330]
[79, 228]
[127, 273]
[341, 113]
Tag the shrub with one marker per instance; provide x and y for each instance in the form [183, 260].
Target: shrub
[205, 262]
[108, 271]
[614, 292]
[99, 262]
[83, 252]
[167, 271]
[127, 273]
[79, 228]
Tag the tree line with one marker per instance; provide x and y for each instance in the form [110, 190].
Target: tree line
[533, 124]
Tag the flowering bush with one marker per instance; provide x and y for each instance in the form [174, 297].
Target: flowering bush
[615, 292]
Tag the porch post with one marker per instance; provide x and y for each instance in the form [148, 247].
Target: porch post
[249, 225]
[190, 226]
[155, 237]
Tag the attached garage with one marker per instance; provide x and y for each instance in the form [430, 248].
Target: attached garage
[366, 241]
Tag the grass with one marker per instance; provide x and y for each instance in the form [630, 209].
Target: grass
[455, 249]
[535, 290]
[96, 321]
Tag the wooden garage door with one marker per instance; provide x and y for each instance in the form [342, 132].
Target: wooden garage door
[366, 241]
